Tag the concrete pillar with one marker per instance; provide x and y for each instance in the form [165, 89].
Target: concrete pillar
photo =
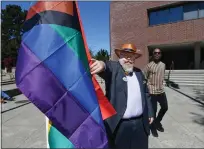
[197, 55]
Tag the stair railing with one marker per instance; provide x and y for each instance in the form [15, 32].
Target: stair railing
[168, 79]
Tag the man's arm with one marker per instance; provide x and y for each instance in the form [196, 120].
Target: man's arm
[149, 104]
[146, 72]
[164, 75]
[106, 73]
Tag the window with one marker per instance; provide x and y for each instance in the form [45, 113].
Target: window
[162, 16]
[201, 10]
[190, 11]
[176, 14]
[153, 18]
[166, 15]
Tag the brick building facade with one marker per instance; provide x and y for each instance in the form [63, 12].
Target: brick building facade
[159, 24]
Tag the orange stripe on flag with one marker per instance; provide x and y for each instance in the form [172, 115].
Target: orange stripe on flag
[41, 6]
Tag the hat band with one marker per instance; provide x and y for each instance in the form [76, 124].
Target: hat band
[128, 50]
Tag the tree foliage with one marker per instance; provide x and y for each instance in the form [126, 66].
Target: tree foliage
[102, 55]
[12, 20]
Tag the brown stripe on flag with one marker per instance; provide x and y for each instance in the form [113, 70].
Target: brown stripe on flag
[52, 17]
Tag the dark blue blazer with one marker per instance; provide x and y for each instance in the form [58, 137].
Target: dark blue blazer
[116, 92]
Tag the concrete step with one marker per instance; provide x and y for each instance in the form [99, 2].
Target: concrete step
[190, 78]
[185, 74]
[187, 82]
[201, 71]
[186, 77]
[190, 85]
[190, 74]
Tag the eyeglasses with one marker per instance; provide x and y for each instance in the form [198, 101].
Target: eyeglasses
[126, 55]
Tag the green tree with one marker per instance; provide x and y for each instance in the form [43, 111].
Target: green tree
[12, 20]
[102, 55]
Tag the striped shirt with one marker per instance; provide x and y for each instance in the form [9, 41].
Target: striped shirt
[154, 74]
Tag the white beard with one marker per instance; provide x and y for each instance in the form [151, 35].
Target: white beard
[126, 66]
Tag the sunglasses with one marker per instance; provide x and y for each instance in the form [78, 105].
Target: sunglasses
[157, 53]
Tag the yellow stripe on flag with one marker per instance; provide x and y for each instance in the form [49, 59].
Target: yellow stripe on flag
[49, 125]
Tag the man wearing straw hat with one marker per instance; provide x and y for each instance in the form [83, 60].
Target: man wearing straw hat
[128, 93]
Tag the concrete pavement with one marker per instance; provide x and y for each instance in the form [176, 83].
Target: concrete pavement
[24, 127]
[183, 124]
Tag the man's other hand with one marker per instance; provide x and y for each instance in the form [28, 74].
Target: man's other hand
[151, 119]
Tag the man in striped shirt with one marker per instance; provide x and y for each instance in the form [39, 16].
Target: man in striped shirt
[154, 73]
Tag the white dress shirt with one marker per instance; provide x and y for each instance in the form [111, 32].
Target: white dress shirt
[134, 99]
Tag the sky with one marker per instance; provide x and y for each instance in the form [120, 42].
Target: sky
[95, 19]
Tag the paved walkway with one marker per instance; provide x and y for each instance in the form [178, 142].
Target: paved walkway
[24, 127]
[183, 123]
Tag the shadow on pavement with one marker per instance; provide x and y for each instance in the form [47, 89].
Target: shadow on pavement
[192, 98]
[199, 93]
[172, 84]
[22, 101]
[199, 119]
[197, 96]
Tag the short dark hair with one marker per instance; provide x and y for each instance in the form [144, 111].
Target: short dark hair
[157, 49]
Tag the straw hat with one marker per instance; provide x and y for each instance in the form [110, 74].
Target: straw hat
[128, 48]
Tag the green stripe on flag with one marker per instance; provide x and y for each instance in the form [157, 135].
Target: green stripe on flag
[74, 40]
[58, 140]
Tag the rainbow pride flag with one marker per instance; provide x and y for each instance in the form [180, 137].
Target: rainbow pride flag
[53, 72]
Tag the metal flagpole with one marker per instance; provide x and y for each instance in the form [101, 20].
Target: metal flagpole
[47, 122]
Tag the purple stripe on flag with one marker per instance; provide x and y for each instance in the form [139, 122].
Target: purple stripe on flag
[24, 63]
[87, 128]
[88, 134]
[45, 91]
[35, 81]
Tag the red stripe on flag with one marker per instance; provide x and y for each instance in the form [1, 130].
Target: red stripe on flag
[106, 108]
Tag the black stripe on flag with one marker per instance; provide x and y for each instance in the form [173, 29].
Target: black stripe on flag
[52, 17]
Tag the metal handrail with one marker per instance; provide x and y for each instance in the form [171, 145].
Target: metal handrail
[168, 79]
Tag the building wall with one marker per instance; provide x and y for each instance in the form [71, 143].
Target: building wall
[129, 23]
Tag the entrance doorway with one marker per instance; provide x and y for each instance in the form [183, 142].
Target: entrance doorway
[182, 59]
[182, 55]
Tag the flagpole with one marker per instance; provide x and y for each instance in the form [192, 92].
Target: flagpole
[47, 122]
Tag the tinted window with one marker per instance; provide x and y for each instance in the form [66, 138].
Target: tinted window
[153, 18]
[190, 11]
[201, 10]
[162, 16]
[176, 14]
